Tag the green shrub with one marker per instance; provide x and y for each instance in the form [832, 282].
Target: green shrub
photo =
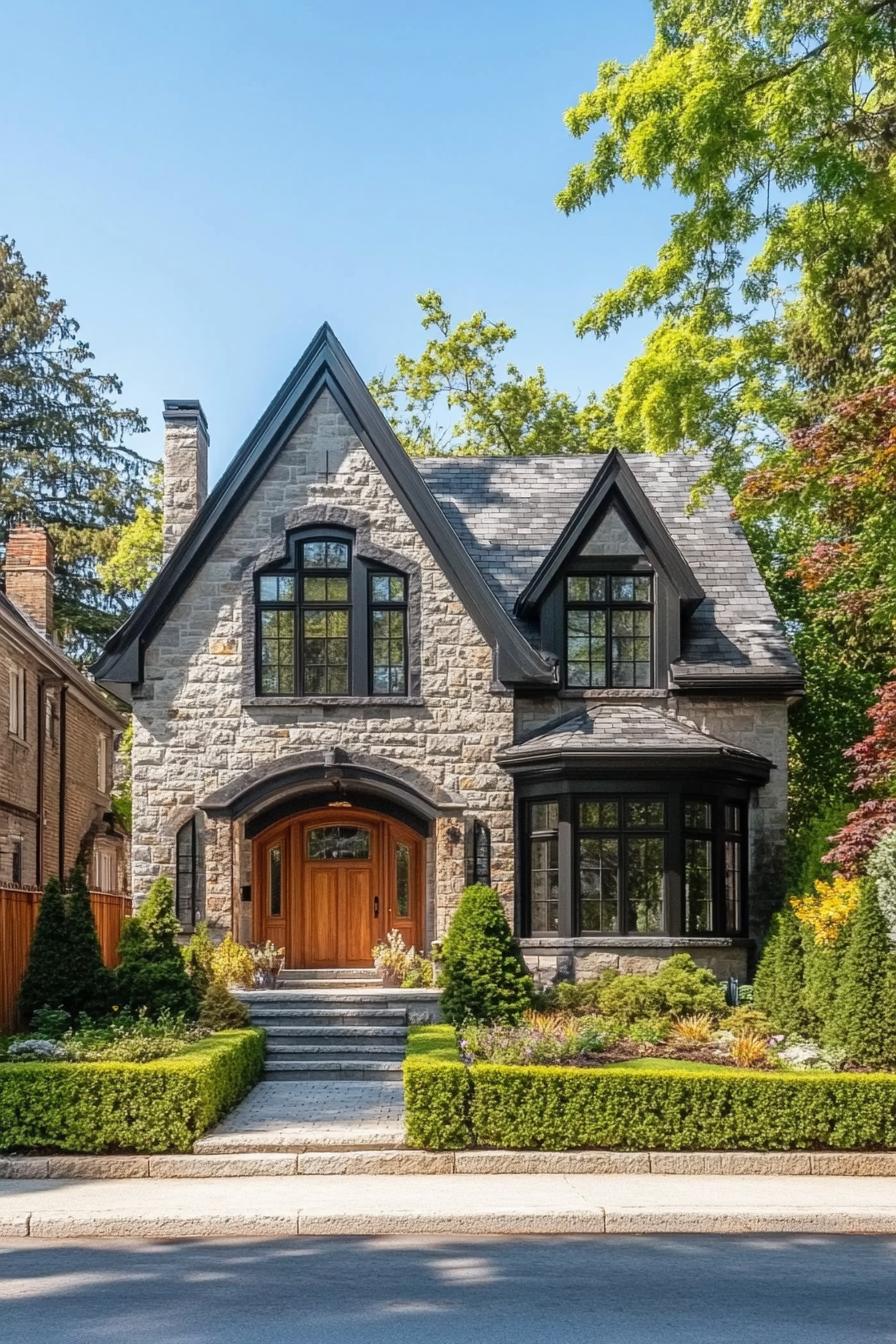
[705, 1108]
[45, 983]
[778, 986]
[220, 1011]
[821, 966]
[680, 988]
[49, 1024]
[232, 964]
[862, 1024]
[163, 1106]
[199, 959]
[438, 1087]
[580, 997]
[90, 983]
[484, 978]
[151, 974]
[882, 872]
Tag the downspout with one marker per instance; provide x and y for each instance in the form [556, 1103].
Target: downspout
[63, 701]
[41, 750]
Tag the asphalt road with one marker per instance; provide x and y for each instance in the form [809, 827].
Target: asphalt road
[611, 1290]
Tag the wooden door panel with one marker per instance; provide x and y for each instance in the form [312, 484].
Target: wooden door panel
[356, 915]
[320, 899]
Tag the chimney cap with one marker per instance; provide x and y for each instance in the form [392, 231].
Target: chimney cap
[184, 411]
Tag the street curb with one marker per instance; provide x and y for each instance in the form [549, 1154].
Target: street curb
[624, 1221]
[415, 1162]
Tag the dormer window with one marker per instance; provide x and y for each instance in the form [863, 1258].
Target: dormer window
[330, 623]
[609, 630]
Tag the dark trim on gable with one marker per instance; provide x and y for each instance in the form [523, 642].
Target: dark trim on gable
[325, 366]
[615, 475]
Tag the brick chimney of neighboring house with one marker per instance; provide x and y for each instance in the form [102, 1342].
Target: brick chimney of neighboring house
[186, 469]
[28, 571]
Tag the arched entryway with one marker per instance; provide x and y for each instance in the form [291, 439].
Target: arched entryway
[327, 884]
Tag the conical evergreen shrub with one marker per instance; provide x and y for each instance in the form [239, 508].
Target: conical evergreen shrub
[778, 986]
[484, 978]
[220, 1011]
[199, 958]
[90, 983]
[862, 1021]
[46, 979]
[821, 971]
[151, 974]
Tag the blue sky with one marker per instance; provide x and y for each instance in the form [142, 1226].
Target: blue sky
[204, 183]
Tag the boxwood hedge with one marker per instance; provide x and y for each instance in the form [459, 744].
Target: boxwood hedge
[532, 1107]
[158, 1107]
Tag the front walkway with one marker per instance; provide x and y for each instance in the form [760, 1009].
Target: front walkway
[295, 1117]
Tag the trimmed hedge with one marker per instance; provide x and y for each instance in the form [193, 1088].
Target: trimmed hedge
[713, 1108]
[159, 1107]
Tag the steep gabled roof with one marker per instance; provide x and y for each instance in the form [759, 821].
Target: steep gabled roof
[509, 512]
[614, 479]
[324, 365]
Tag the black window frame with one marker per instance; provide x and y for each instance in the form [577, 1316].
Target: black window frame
[392, 606]
[359, 606]
[608, 605]
[188, 873]
[622, 831]
[676, 792]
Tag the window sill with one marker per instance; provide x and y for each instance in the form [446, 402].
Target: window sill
[614, 693]
[551, 941]
[19, 741]
[329, 701]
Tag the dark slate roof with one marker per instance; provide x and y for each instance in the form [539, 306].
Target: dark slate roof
[617, 728]
[509, 512]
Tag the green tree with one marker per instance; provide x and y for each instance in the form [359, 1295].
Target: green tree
[136, 556]
[90, 983]
[778, 987]
[151, 974]
[484, 978]
[65, 455]
[772, 121]
[46, 980]
[454, 398]
[863, 1022]
[199, 959]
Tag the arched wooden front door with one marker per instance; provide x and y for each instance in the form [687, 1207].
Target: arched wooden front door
[327, 885]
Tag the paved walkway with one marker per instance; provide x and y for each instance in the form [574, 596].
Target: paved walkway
[287, 1206]
[292, 1117]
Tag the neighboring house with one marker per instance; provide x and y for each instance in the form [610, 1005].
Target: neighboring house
[57, 738]
[361, 681]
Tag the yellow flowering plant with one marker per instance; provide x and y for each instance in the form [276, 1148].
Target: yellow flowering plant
[826, 909]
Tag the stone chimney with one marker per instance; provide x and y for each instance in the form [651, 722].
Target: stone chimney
[186, 469]
[28, 571]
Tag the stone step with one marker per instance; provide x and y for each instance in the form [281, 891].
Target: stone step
[297, 1019]
[334, 1050]
[361, 1035]
[331, 973]
[333, 1070]
[335, 983]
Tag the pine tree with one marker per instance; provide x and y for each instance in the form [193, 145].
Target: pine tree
[484, 978]
[199, 957]
[861, 1024]
[778, 986]
[46, 979]
[151, 974]
[90, 983]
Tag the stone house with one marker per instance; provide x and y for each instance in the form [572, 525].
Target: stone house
[57, 738]
[361, 681]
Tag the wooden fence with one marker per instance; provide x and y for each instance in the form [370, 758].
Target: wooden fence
[18, 914]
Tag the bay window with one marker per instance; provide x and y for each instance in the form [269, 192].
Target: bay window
[607, 861]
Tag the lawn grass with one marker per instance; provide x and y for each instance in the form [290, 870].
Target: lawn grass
[437, 1043]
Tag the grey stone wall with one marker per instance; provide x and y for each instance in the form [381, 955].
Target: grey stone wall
[197, 726]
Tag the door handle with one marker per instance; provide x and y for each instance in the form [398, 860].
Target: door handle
[376, 907]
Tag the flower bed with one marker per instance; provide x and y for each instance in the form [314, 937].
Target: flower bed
[115, 1106]
[669, 1106]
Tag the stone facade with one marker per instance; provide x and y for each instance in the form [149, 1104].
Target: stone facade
[196, 727]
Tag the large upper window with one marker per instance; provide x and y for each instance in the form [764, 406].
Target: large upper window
[329, 624]
[635, 863]
[609, 621]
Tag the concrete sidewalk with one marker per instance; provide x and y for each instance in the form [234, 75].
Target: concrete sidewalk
[384, 1205]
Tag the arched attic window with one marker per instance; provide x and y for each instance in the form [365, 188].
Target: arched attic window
[330, 623]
